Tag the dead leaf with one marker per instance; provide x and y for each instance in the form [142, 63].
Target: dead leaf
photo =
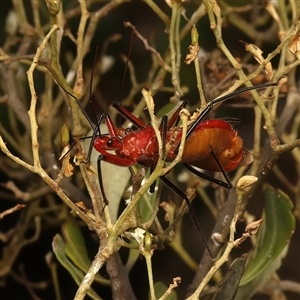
[194, 49]
[257, 53]
[169, 208]
[294, 45]
[253, 227]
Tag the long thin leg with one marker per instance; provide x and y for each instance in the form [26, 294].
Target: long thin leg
[226, 184]
[129, 116]
[180, 193]
[173, 121]
[221, 168]
[98, 120]
[96, 130]
[100, 158]
[153, 185]
[140, 124]
[163, 127]
[212, 103]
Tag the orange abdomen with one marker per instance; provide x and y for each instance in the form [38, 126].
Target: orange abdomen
[224, 141]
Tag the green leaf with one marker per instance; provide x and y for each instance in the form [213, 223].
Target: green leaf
[75, 248]
[74, 244]
[160, 288]
[146, 206]
[272, 244]
[58, 246]
[133, 256]
[115, 178]
[274, 234]
[249, 289]
[165, 110]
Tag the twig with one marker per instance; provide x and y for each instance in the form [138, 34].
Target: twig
[36, 168]
[80, 54]
[147, 252]
[159, 12]
[173, 285]
[243, 184]
[11, 210]
[174, 48]
[148, 47]
[25, 196]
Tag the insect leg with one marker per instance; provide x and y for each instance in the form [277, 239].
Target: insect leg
[129, 116]
[229, 184]
[100, 158]
[152, 187]
[226, 184]
[175, 116]
[163, 127]
[113, 159]
[179, 192]
[96, 130]
[212, 103]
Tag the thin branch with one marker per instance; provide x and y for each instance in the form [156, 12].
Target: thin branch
[148, 47]
[11, 210]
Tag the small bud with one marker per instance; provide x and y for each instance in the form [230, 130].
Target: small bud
[65, 136]
[53, 6]
[148, 241]
[253, 227]
[193, 47]
[245, 182]
[194, 35]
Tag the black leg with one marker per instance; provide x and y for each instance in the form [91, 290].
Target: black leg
[152, 187]
[100, 158]
[227, 184]
[163, 127]
[96, 131]
[180, 193]
[212, 103]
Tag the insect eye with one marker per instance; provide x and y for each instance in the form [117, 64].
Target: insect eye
[109, 143]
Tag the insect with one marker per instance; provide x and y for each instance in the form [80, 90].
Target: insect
[210, 144]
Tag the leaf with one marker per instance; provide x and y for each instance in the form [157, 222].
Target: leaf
[59, 251]
[76, 250]
[133, 256]
[275, 232]
[115, 179]
[272, 244]
[249, 289]
[228, 286]
[160, 288]
[146, 206]
[257, 53]
[294, 45]
[74, 244]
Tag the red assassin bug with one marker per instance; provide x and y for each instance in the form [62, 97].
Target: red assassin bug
[210, 144]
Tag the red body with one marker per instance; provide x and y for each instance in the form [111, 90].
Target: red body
[141, 146]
